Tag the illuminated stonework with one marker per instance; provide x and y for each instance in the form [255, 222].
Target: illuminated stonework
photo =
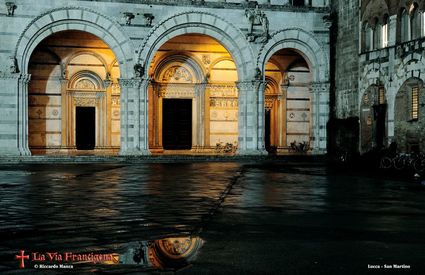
[231, 65]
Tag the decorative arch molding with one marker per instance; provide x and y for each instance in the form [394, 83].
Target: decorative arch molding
[184, 60]
[209, 24]
[75, 18]
[304, 43]
[85, 80]
[272, 87]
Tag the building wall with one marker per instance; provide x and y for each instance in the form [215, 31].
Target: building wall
[393, 66]
[135, 32]
[397, 68]
[345, 57]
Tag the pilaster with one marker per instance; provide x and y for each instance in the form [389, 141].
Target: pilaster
[320, 115]
[251, 117]
[134, 116]
[14, 114]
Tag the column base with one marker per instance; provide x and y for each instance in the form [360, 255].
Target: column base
[319, 151]
[25, 151]
[248, 152]
[135, 152]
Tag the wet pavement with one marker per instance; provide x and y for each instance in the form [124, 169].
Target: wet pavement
[261, 218]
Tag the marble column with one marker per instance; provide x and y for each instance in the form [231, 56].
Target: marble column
[251, 117]
[134, 116]
[320, 116]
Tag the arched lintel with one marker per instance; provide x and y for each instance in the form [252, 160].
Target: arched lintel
[195, 22]
[75, 18]
[302, 42]
[86, 74]
[184, 58]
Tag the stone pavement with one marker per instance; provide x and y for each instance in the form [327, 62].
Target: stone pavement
[255, 218]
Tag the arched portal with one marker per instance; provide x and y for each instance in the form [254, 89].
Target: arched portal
[193, 99]
[373, 118]
[74, 96]
[409, 121]
[316, 56]
[288, 116]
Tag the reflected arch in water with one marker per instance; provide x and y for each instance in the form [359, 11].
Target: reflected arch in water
[174, 252]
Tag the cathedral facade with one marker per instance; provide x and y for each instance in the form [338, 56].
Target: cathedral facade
[166, 77]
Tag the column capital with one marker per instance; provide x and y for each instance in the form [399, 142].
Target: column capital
[250, 85]
[320, 87]
[23, 78]
[134, 82]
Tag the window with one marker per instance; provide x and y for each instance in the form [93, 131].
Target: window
[404, 26]
[381, 95]
[415, 103]
[423, 24]
[384, 36]
[377, 34]
[416, 24]
[368, 37]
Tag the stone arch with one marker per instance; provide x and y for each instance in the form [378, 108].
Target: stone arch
[412, 66]
[372, 75]
[408, 129]
[183, 58]
[305, 44]
[92, 77]
[75, 18]
[202, 23]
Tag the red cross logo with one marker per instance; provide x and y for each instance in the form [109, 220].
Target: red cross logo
[22, 258]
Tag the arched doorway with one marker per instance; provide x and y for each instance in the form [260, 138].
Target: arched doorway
[74, 96]
[373, 118]
[409, 118]
[288, 117]
[193, 99]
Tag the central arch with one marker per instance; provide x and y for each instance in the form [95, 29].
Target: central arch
[201, 23]
[192, 98]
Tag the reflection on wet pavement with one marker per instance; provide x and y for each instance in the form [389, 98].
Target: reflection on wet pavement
[167, 254]
[254, 218]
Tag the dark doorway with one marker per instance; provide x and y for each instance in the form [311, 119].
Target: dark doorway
[267, 131]
[85, 127]
[177, 124]
[380, 113]
[298, 3]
